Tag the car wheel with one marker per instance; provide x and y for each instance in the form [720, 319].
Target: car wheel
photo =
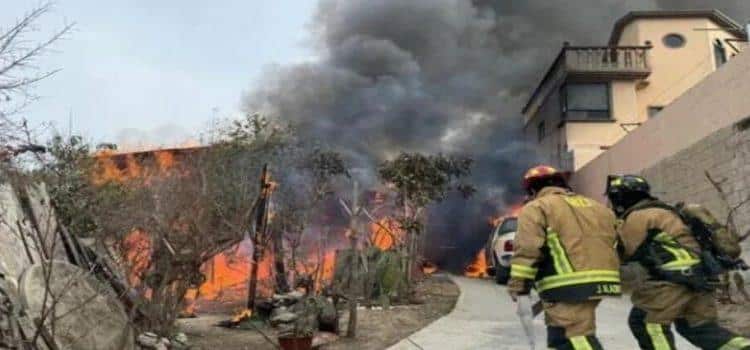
[502, 274]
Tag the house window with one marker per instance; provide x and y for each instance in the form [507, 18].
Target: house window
[654, 110]
[586, 101]
[541, 131]
[720, 53]
[674, 41]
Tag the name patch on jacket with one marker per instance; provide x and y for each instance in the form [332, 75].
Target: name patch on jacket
[608, 289]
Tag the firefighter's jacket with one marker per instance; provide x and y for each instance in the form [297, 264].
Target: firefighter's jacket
[567, 244]
[675, 247]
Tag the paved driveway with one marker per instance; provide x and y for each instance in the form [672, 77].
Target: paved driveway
[485, 318]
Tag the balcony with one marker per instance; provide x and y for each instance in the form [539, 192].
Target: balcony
[591, 63]
[606, 62]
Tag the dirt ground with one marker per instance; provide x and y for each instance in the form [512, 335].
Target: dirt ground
[377, 329]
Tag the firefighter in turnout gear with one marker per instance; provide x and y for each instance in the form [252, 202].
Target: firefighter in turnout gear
[677, 290]
[565, 247]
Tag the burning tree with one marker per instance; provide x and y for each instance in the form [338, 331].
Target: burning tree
[308, 180]
[175, 215]
[420, 180]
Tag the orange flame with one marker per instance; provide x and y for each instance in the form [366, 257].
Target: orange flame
[321, 269]
[136, 248]
[478, 268]
[386, 233]
[227, 273]
[242, 315]
[164, 160]
[429, 268]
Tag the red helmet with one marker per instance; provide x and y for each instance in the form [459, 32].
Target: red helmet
[541, 172]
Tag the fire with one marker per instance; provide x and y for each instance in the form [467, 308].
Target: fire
[320, 269]
[513, 211]
[120, 167]
[327, 269]
[244, 314]
[227, 275]
[106, 170]
[478, 268]
[136, 248]
[164, 160]
[386, 233]
[429, 268]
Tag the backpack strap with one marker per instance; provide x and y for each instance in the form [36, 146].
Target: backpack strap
[648, 204]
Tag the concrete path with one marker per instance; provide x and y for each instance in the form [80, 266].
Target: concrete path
[485, 318]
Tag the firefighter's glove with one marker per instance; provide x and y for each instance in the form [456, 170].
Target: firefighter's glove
[518, 287]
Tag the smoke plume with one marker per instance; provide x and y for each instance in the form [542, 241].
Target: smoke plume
[435, 76]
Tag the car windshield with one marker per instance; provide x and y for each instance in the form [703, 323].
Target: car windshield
[509, 225]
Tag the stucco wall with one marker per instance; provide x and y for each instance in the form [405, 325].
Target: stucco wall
[549, 113]
[674, 70]
[589, 139]
[715, 103]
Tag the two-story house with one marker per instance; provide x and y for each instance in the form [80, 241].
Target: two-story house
[593, 96]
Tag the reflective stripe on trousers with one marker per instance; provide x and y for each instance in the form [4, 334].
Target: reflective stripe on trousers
[581, 343]
[659, 339]
[738, 343]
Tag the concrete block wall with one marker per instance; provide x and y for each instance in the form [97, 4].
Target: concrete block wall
[705, 129]
[725, 155]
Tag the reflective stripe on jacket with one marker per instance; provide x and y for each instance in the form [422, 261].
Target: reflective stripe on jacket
[566, 243]
[675, 247]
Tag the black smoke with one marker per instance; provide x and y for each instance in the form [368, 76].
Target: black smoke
[435, 76]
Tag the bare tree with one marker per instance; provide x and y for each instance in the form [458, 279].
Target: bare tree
[19, 70]
[718, 185]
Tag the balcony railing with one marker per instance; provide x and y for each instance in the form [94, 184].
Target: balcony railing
[593, 63]
[619, 60]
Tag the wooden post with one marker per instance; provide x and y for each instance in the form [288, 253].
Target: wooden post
[282, 285]
[258, 238]
[351, 330]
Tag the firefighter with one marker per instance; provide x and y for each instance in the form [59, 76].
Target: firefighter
[565, 247]
[677, 290]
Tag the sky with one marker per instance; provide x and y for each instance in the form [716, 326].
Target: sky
[154, 73]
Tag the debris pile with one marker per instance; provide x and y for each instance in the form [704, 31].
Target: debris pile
[298, 315]
[151, 341]
[294, 315]
[55, 292]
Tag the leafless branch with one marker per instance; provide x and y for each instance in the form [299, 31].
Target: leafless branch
[18, 72]
[725, 199]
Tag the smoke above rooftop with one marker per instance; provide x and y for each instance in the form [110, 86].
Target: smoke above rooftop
[435, 76]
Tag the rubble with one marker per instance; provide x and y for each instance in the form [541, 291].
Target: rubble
[281, 315]
[149, 340]
[36, 275]
[152, 341]
[180, 342]
[296, 314]
[287, 299]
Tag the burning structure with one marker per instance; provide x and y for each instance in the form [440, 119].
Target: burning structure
[226, 268]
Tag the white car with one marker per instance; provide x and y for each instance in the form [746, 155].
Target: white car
[499, 249]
